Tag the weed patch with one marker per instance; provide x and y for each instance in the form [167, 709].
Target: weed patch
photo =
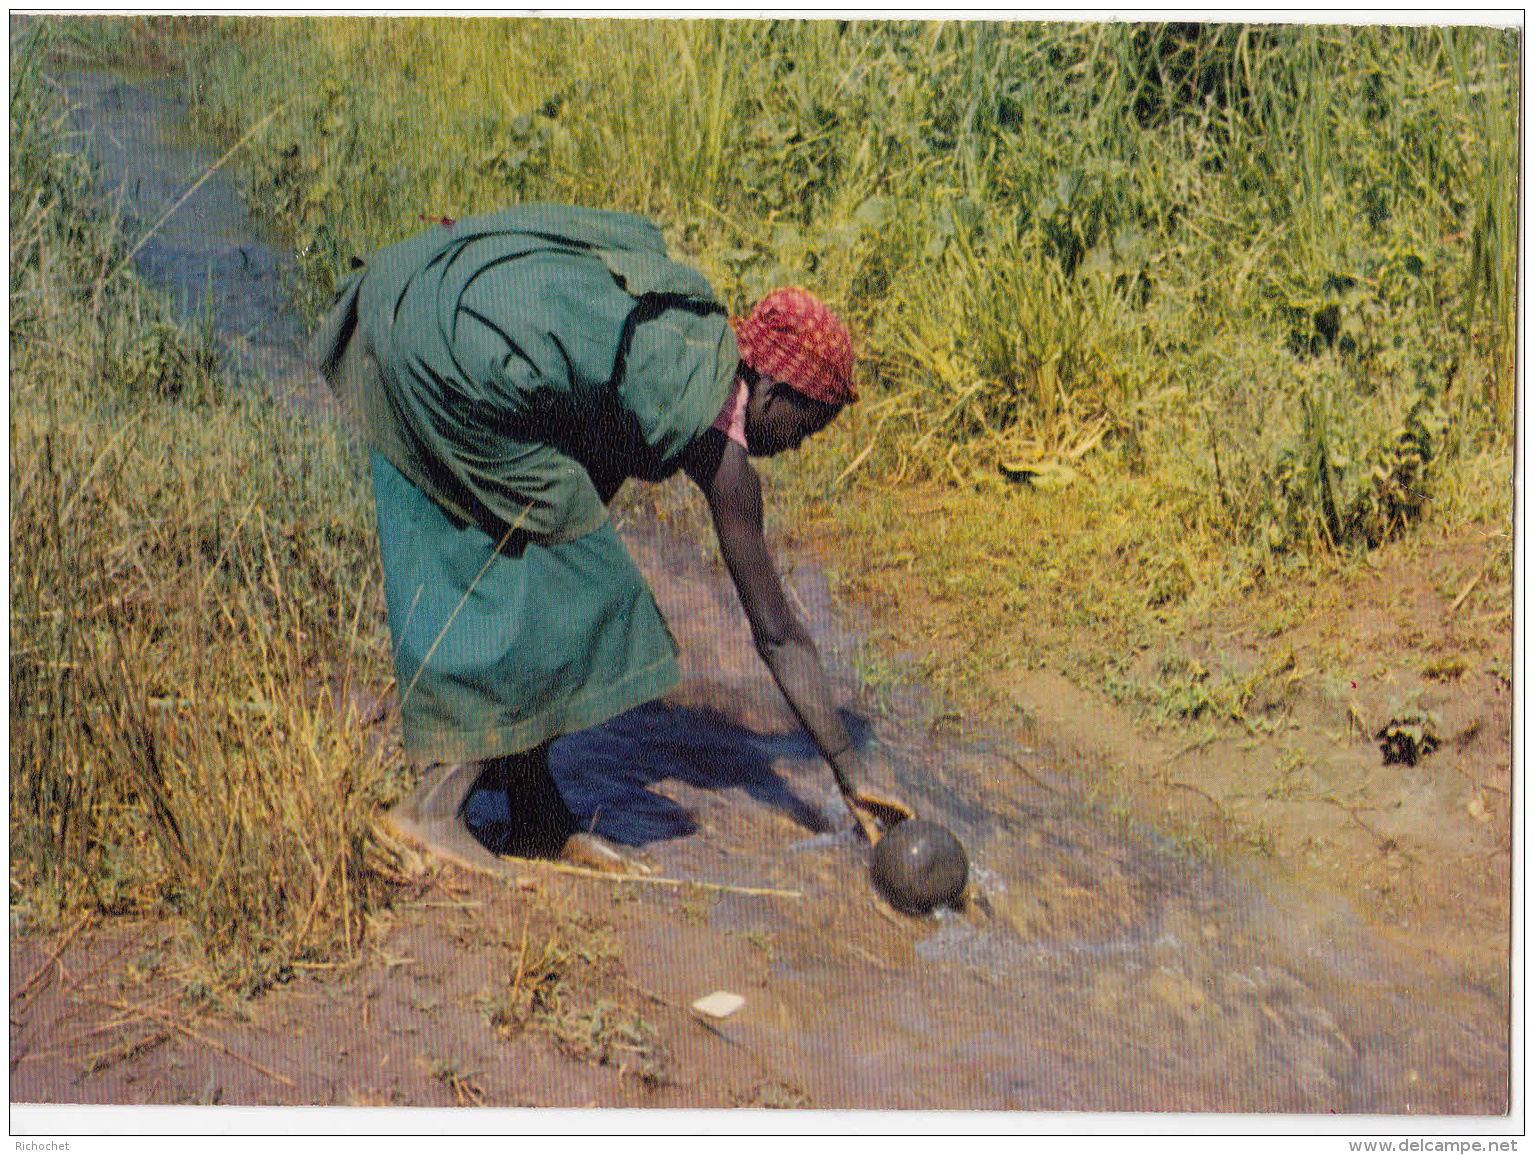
[557, 969]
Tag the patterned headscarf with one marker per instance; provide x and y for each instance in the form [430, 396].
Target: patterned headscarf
[792, 337]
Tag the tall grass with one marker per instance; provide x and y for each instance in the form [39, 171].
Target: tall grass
[1038, 229]
[192, 611]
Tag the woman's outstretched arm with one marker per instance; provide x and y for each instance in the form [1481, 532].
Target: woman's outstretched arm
[728, 480]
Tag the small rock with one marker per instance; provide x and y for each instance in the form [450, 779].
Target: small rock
[719, 1005]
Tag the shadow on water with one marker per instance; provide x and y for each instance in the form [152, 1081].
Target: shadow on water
[607, 774]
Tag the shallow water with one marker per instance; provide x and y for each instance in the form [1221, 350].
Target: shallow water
[208, 257]
[1105, 969]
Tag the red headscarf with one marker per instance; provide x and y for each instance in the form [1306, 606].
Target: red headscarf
[792, 337]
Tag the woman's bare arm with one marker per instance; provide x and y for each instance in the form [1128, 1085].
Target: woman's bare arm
[728, 480]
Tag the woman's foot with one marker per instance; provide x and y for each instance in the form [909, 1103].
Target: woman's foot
[537, 823]
[430, 818]
[595, 853]
[532, 820]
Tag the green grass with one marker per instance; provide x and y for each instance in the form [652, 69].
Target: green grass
[1152, 319]
[1244, 260]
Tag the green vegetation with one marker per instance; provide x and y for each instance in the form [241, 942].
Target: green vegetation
[1230, 300]
[191, 595]
[1152, 317]
[1272, 267]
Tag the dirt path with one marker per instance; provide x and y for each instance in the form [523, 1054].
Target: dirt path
[1108, 968]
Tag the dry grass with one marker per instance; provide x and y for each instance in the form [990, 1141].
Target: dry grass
[565, 983]
[194, 614]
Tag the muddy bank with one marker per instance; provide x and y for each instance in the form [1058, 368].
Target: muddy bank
[1107, 968]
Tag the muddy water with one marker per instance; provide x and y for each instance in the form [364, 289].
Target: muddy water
[1105, 968]
[207, 257]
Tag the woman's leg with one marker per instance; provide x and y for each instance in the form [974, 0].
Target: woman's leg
[535, 822]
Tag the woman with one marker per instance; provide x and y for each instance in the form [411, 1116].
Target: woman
[511, 371]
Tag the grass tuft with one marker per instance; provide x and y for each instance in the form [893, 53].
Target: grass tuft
[193, 615]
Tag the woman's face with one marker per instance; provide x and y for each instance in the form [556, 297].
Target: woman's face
[778, 417]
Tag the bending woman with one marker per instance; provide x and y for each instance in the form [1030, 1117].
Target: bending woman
[511, 372]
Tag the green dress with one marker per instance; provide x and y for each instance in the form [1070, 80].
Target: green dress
[511, 372]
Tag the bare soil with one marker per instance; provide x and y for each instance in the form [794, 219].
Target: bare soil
[1104, 966]
[1265, 919]
[1422, 849]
